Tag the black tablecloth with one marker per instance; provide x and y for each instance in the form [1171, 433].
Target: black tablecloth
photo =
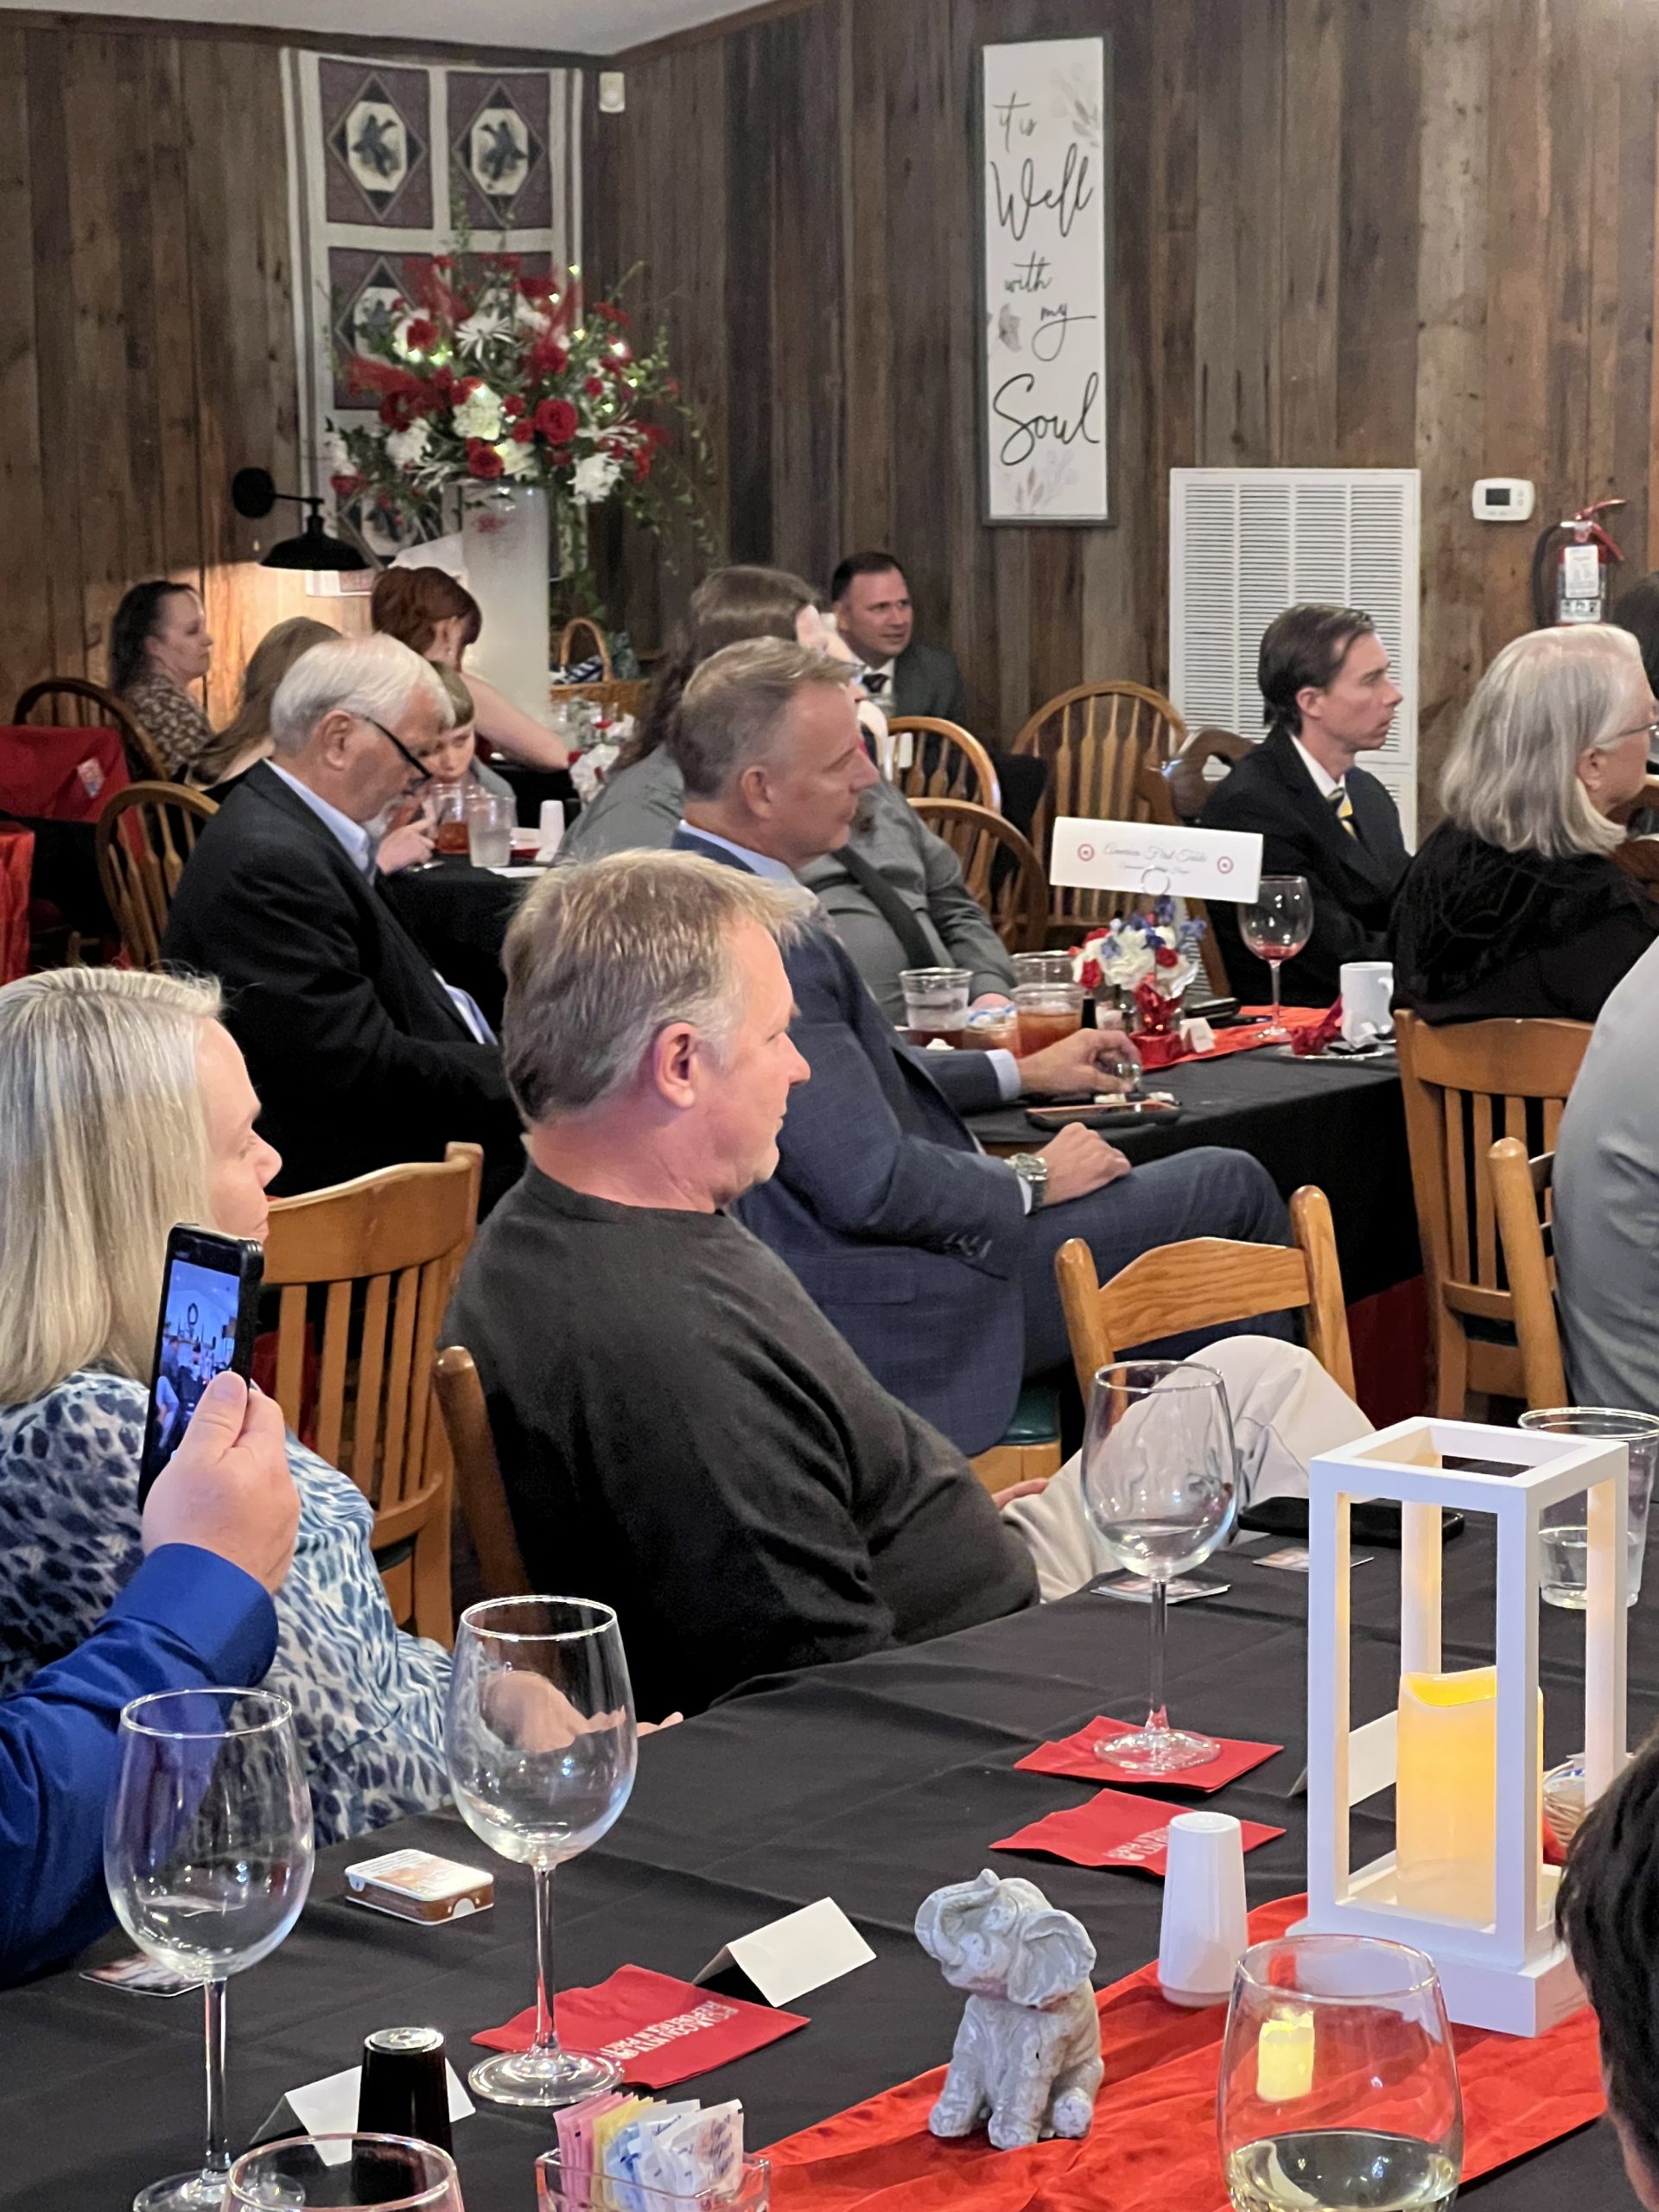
[459, 914]
[872, 1783]
[1339, 1124]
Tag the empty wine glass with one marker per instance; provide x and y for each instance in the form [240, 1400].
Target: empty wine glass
[375, 2173]
[541, 1745]
[1275, 928]
[1338, 2080]
[207, 1855]
[1160, 1483]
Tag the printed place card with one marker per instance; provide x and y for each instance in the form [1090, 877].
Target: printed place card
[1157, 861]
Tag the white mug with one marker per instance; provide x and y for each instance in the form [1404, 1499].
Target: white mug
[1367, 989]
[1205, 1931]
[552, 829]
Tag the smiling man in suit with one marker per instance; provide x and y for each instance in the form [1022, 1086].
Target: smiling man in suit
[1324, 674]
[363, 1056]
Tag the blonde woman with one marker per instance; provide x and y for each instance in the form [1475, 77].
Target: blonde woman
[247, 738]
[125, 1107]
[1515, 907]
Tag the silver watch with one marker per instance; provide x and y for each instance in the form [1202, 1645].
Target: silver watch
[1032, 1170]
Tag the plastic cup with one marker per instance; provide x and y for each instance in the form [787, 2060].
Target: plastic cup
[489, 830]
[1047, 1012]
[1563, 1534]
[936, 1004]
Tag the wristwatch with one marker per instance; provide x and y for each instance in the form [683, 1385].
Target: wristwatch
[1032, 1170]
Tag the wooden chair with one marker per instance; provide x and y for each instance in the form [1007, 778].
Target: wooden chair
[365, 1270]
[1206, 1282]
[621, 695]
[1015, 898]
[1189, 787]
[143, 760]
[478, 1474]
[955, 765]
[1465, 1086]
[1521, 1192]
[1104, 746]
[145, 835]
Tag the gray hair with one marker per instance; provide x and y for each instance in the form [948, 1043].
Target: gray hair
[375, 676]
[604, 954]
[731, 709]
[1512, 777]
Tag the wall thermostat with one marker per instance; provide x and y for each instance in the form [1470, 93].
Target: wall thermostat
[1504, 498]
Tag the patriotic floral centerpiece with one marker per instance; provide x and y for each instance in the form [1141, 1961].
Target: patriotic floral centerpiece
[1155, 950]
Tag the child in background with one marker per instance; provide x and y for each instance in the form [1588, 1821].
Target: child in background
[455, 767]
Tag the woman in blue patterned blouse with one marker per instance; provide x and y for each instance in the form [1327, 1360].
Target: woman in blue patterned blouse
[125, 1107]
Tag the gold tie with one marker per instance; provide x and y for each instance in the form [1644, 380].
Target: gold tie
[1343, 807]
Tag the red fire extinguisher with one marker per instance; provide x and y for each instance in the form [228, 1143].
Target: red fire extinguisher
[1571, 566]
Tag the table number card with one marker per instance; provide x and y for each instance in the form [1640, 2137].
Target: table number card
[1157, 861]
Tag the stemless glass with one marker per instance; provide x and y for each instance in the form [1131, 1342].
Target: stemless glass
[376, 2173]
[207, 1854]
[1159, 1481]
[1275, 929]
[1338, 2080]
[541, 1745]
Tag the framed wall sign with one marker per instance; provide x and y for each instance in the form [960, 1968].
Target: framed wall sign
[1046, 172]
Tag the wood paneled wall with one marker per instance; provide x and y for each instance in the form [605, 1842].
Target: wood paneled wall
[146, 339]
[1354, 233]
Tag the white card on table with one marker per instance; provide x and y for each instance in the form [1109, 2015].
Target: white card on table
[329, 2107]
[1156, 861]
[800, 1952]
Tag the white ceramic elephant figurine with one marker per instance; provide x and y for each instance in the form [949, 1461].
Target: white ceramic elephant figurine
[1028, 2049]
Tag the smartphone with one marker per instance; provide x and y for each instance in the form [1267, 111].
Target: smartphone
[1108, 1116]
[210, 1298]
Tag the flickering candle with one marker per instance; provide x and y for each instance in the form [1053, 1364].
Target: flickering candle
[1445, 1795]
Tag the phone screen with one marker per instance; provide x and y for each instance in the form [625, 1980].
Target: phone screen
[210, 1293]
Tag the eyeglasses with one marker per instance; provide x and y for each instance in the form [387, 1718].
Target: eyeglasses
[1649, 730]
[422, 772]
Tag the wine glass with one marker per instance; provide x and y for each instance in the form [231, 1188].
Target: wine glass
[1338, 2080]
[541, 1745]
[376, 2173]
[1275, 929]
[1160, 1483]
[207, 1855]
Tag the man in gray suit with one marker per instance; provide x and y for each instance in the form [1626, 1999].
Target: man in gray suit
[1606, 1206]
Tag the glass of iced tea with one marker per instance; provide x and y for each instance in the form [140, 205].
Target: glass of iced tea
[994, 1028]
[446, 810]
[1047, 1012]
[936, 1004]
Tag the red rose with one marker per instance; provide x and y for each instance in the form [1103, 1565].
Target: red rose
[1166, 957]
[421, 335]
[642, 464]
[348, 482]
[443, 383]
[482, 459]
[1089, 976]
[464, 388]
[560, 457]
[594, 387]
[396, 412]
[512, 407]
[557, 421]
[548, 358]
[523, 433]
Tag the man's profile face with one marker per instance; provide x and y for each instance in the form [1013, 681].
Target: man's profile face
[876, 617]
[742, 1100]
[367, 772]
[814, 774]
[1355, 708]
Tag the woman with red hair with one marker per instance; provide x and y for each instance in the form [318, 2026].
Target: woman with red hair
[438, 618]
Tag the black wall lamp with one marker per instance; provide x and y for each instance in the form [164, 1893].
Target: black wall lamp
[254, 493]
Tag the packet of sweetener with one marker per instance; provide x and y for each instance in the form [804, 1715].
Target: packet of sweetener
[701, 2155]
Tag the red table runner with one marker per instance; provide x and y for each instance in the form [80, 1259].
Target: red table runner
[1152, 2146]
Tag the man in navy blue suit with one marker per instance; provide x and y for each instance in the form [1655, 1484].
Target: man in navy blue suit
[935, 1262]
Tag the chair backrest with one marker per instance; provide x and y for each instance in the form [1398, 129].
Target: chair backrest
[1521, 1193]
[145, 835]
[1016, 897]
[144, 758]
[567, 639]
[1206, 1282]
[946, 761]
[369, 1265]
[1104, 746]
[1465, 1086]
[479, 1485]
[1189, 785]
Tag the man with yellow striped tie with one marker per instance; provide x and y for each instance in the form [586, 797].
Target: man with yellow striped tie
[1324, 678]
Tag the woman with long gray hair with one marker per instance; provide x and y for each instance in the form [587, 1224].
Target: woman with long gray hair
[1516, 905]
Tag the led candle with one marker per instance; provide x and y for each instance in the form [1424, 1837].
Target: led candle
[1446, 1798]
[1284, 2057]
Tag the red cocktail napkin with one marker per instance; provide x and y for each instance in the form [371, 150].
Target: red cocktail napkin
[659, 2030]
[1075, 1755]
[1114, 1829]
[1152, 2146]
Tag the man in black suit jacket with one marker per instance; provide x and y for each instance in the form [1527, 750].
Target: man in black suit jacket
[1324, 676]
[935, 1262]
[361, 1052]
[875, 614]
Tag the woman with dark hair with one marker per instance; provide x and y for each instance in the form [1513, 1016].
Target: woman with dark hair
[435, 615]
[158, 645]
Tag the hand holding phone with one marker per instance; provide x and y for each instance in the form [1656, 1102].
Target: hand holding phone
[208, 1319]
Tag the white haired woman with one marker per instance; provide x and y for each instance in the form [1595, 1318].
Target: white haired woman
[1515, 905]
[125, 1107]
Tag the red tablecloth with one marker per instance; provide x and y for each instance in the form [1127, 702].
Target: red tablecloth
[17, 860]
[59, 775]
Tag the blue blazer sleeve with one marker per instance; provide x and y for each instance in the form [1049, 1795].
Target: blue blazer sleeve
[187, 1620]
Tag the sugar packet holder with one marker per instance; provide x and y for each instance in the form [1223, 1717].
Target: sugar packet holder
[419, 1885]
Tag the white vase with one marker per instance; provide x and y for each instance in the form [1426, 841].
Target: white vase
[504, 537]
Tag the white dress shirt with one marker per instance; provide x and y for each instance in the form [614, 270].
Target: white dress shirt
[1324, 782]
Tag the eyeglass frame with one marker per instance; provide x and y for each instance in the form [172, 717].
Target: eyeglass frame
[1649, 730]
[423, 774]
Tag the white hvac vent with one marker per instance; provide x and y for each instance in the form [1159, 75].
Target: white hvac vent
[1245, 543]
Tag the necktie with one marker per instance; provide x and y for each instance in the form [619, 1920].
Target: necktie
[875, 681]
[1343, 807]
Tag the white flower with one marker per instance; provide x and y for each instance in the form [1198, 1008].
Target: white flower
[335, 457]
[488, 322]
[479, 416]
[407, 448]
[400, 335]
[528, 316]
[587, 770]
[594, 478]
[1126, 961]
[517, 459]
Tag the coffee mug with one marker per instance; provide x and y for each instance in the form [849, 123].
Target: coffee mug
[1367, 989]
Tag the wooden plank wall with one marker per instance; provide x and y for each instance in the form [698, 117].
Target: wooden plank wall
[1366, 233]
[146, 345]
